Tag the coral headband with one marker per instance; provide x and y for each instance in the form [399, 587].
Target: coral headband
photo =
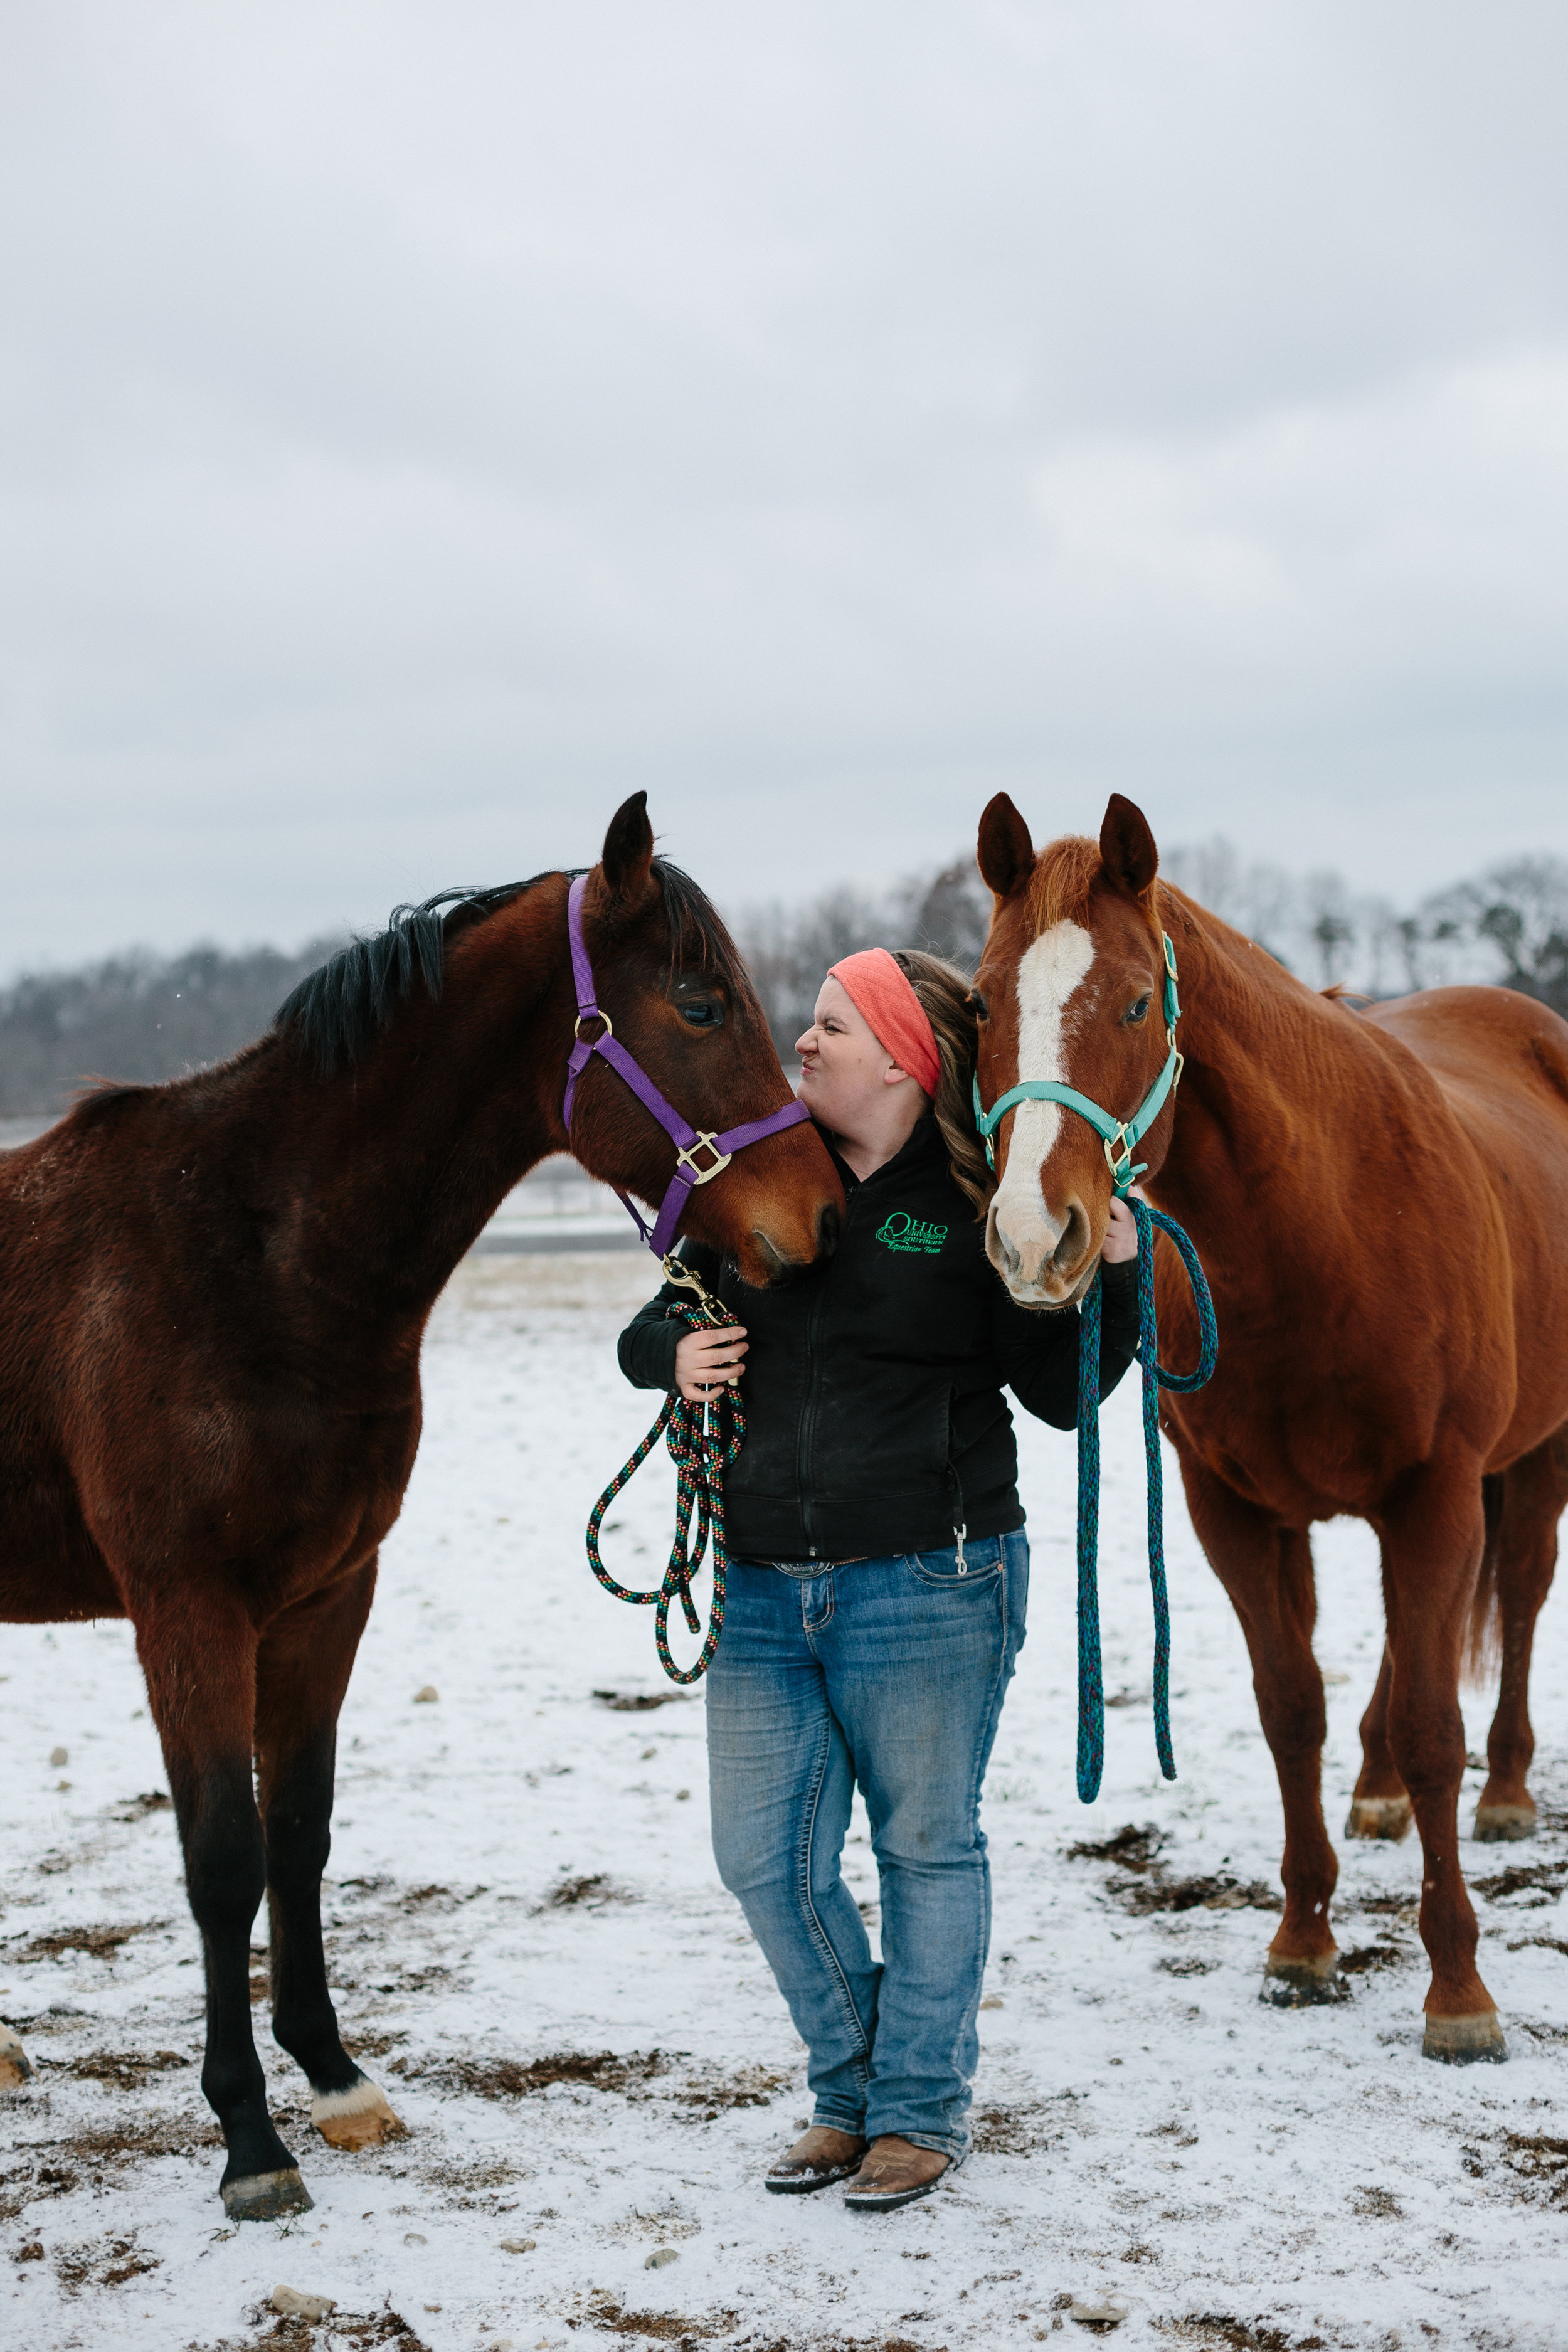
[882, 994]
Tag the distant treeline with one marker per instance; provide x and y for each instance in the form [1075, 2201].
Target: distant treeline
[142, 1016]
[136, 1016]
[1509, 925]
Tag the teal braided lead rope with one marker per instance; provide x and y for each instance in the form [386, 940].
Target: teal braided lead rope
[1090, 1687]
[702, 1440]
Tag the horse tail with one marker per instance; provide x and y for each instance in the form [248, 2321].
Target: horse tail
[1485, 1646]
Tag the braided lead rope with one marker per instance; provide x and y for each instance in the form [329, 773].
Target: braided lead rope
[1090, 1682]
[702, 1441]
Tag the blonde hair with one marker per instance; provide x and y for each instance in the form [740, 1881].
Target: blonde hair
[946, 1000]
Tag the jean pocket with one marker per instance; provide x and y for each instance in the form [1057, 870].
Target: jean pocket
[980, 1563]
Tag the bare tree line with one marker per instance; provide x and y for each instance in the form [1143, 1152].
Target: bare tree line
[1509, 925]
[140, 1016]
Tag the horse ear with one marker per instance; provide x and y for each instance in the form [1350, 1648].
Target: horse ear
[629, 850]
[1006, 853]
[1127, 846]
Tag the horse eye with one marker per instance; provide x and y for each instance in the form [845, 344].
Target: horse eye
[1137, 1012]
[701, 1016]
[978, 1005]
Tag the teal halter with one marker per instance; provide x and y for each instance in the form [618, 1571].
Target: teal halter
[1118, 1136]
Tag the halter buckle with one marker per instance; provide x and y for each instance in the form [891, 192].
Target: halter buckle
[703, 1175]
[596, 1015]
[1118, 1149]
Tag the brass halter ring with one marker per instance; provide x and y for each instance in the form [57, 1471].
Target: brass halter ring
[596, 1015]
[703, 1175]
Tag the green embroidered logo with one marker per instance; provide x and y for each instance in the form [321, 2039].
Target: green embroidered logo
[902, 1232]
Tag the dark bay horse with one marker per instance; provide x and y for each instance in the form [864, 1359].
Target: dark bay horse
[1380, 1202]
[215, 1294]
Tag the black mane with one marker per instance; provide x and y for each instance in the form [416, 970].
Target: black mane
[340, 1010]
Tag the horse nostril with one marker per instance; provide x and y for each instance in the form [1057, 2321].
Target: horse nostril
[775, 1264]
[1074, 1242]
[827, 1230]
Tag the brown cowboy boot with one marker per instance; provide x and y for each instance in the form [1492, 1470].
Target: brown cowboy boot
[823, 2156]
[894, 2172]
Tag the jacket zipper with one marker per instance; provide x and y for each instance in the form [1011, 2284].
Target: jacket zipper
[809, 1409]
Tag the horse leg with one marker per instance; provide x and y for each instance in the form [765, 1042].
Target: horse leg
[1534, 1494]
[1433, 1536]
[1267, 1572]
[1380, 1805]
[200, 1666]
[301, 1672]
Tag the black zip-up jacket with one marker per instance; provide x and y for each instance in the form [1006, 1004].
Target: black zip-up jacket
[875, 1419]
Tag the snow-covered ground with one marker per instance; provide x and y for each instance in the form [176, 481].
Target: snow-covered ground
[530, 1949]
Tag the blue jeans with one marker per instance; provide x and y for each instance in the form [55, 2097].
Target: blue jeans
[889, 1673]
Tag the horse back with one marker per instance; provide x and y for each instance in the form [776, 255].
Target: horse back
[1501, 1062]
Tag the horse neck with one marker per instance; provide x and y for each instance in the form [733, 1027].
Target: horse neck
[1276, 1078]
[387, 1173]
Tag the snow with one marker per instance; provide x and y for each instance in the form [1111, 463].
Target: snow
[1147, 2128]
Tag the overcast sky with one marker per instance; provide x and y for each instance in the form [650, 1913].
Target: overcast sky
[424, 425]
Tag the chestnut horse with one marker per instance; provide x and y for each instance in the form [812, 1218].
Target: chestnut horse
[214, 1295]
[1380, 1202]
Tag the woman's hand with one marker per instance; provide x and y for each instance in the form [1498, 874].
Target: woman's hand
[706, 1361]
[1120, 1240]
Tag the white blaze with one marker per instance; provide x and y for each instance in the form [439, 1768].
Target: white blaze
[1048, 975]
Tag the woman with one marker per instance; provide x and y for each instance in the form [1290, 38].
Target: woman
[878, 1572]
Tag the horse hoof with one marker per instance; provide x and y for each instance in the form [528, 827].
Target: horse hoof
[265, 2196]
[13, 2067]
[1379, 1817]
[355, 2119]
[1465, 2041]
[1308, 1984]
[1494, 1823]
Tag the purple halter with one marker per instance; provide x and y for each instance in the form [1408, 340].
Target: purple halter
[687, 1142]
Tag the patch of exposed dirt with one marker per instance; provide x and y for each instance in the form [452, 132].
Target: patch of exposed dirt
[1132, 1847]
[636, 1702]
[590, 1893]
[367, 2328]
[127, 2070]
[110, 2261]
[1012, 2130]
[1541, 1944]
[374, 2045]
[108, 2150]
[508, 2078]
[1181, 2134]
[819, 2343]
[654, 2326]
[136, 1808]
[100, 1943]
[437, 1899]
[1158, 1893]
[1542, 2164]
[1187, 1964]
[1546, 1879]
[753, 2087]
[1220, 2331]
[24, 2184]
[1368, 1959]
[406, 1980]
[1377, 2205]
[1389, 1907]
[1137, 1849]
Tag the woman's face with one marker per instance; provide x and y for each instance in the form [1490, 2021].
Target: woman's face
[844, 1066]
